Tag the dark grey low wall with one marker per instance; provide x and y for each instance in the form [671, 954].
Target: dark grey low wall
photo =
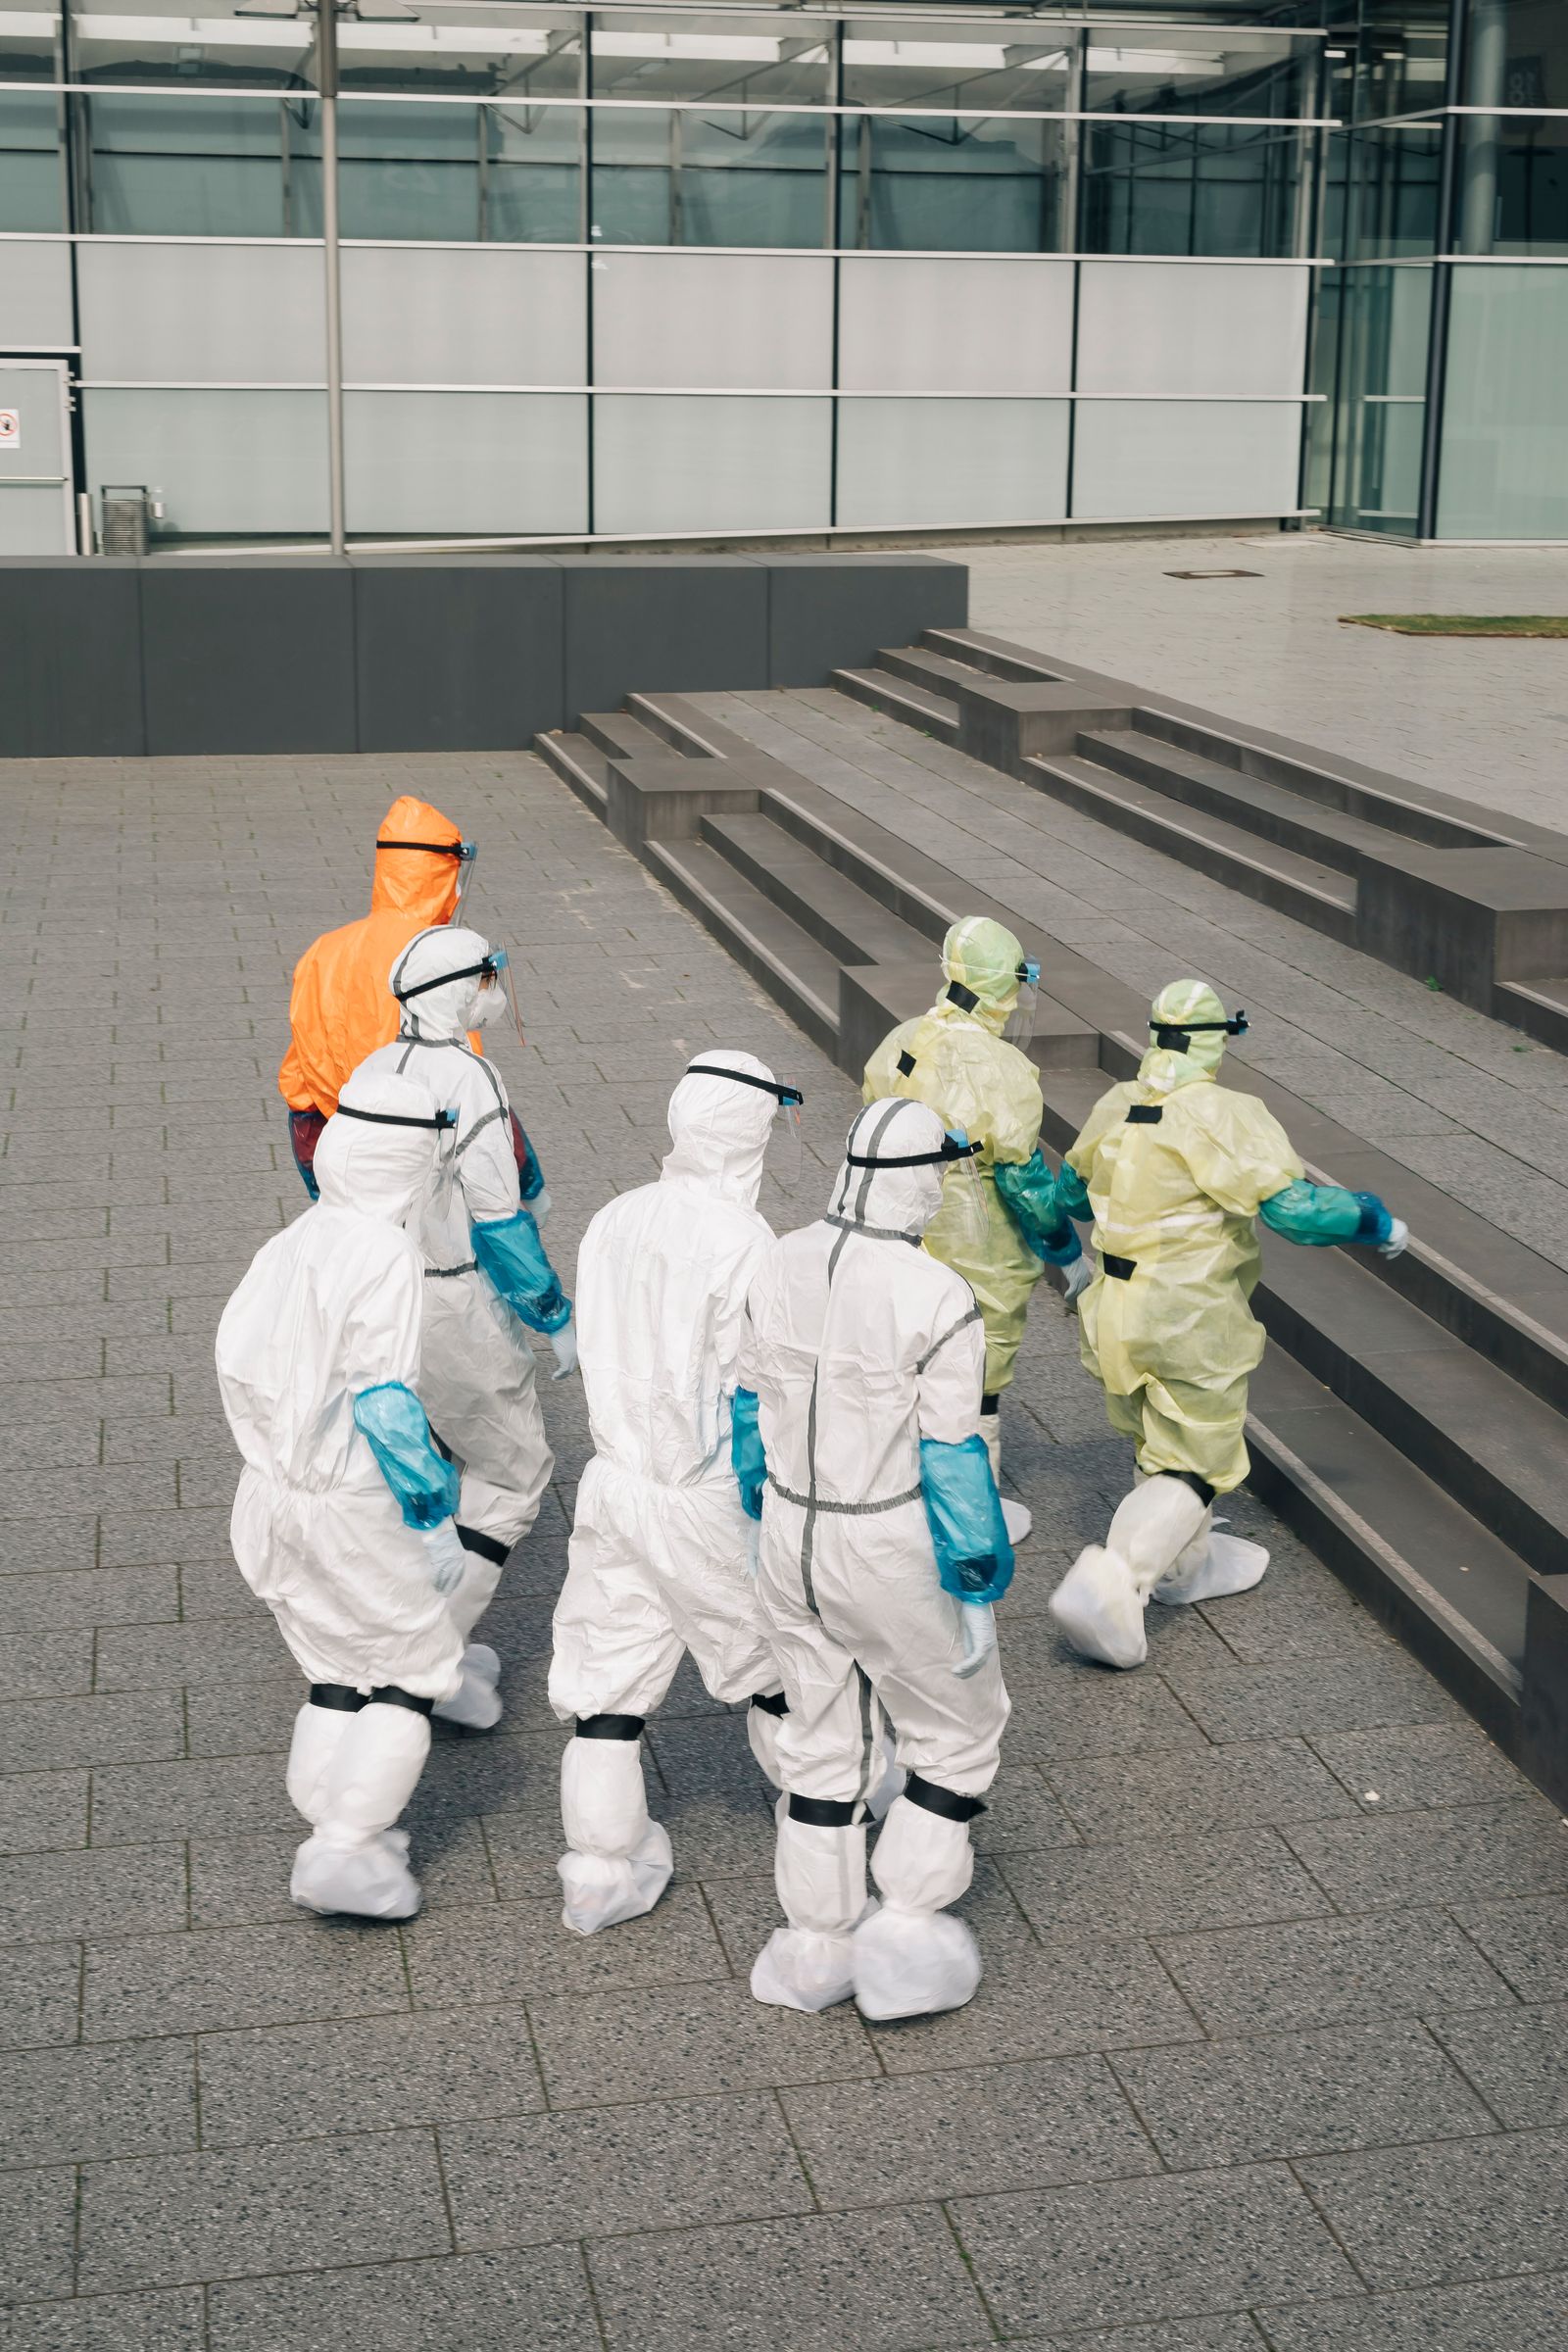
[435, 652]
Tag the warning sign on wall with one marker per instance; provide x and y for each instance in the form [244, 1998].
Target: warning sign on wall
[9, 429]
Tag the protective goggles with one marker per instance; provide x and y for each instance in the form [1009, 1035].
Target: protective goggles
[465, 852]
[784, 1145]
[1019, 1026]
[1170, 1036]
[963, 1212]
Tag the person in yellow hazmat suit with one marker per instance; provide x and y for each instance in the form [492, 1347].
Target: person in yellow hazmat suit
[1175, 1170]
[965, 1060]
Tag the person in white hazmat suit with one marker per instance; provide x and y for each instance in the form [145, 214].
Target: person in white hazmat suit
[488, 1281]
[342, 1523]
[659, 1560]
[857, 1435]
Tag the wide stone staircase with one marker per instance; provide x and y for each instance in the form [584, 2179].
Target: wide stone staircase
[1410, 1419]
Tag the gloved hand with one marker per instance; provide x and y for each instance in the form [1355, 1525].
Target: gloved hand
[540, 1206]
[1080, 1274]
[446, 1557]
[979, 1638]
[1399, 1235]
[564, 1343]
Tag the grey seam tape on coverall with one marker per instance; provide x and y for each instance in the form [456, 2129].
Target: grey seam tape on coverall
[445, 1273]
[809, 1502]
[952, 1333]
[846, 1510]
[479, 1128]
[874, 1233]
[868, 1738]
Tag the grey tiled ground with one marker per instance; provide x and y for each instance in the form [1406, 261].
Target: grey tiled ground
[1270, 2055]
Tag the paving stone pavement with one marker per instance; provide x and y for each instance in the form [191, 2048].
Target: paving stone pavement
[1482, 718]
[1271, 2050]
[1468, 1104]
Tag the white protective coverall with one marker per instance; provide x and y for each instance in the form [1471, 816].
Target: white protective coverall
[659, 1558]
[478, 1375]
[861, 1344]
[331, 1309]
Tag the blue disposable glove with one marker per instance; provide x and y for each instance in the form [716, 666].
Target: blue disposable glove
[963, 1511]
[1319, 1214]
[424, 1482]
[1030, 1194]
[512, 1259]
[747, 1457]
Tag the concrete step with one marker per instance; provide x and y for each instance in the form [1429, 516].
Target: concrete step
[917, 705]
[1322, 835]
[579, 763]
[797, 972]
[853, 926]
[990, 656]
[620, 735]
[1540, 1007]
[920, 665]
[1276, 877]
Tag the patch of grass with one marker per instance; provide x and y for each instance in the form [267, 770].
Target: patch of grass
[1462, 624]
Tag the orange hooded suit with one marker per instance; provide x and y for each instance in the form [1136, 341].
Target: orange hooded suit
[341, 1008]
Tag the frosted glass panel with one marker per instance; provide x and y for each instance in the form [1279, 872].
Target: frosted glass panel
[934, 325]
[202, 314]
[1152, 457]
[440, 317]
[221, 461]
[665, 465]
[35, 295]
[33, 523]
[460, 462]
[1181, 327]
[1504, 423]
[911, 461]
[746, 321]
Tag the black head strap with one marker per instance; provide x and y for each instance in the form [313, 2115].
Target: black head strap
[1169, 1036]
[436, 848]
[422, 988]
[395, 1118]
[788, 1094]
[915, 1159]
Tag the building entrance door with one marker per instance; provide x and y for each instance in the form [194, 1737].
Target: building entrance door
[37, 490]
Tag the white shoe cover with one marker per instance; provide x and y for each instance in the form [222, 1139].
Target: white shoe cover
[475, 1704]
[800, 1969]
[1098, 1607]
[1230, 1564]
[372, 1882]
[1018, 1520]
[914, 1963]
[602, 1892]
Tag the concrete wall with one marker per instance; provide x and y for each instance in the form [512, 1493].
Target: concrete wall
[423, 653]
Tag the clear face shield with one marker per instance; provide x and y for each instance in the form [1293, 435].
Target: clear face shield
[784, 1139]
[498, 994]
[963, 1199]
[1019, 1027]
[444, 1156]
[1176, 1037]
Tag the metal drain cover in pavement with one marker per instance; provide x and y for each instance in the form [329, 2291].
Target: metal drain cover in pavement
[1214, 575]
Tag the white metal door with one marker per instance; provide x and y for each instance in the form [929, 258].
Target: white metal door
[38, 493]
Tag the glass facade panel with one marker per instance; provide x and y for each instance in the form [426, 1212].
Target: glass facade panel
[920, 323]
[1179, 327]
[32, 180]
[465, 51]
[466, 461]
[1382, 326]
[203, 314]
[959, 183]
[1504, 472]
[462, 174]
[202, 166]
[951, 463]
[1193, 188]
[249, 464]
[736, 321]
[1201, 69]
[1189, 456]
[1395, 178]
[1516, 53]
[1400, 59]
[669, 177]
[1019, 65]
[716, 465]
[490, 317]
[1514, 184]
[35, 295]
[130, 41]
[30, 43]
[746, 60]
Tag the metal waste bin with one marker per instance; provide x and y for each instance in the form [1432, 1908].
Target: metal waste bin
[125, 513]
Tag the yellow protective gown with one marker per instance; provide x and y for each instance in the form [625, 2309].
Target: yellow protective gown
[1173, 1345]
[955, 1060]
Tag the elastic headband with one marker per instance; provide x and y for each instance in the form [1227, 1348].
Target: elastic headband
[490, 966]
[461, 849]
[788, 1094]
[1027, 976]
[1167, 1035]
[916, 1160]
[395, 1118]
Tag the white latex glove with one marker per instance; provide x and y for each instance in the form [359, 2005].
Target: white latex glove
[1399, 1235]
[540, 1206]
[564, 1343]
[446, 1555]
[1080, 1274]
[979, 1638]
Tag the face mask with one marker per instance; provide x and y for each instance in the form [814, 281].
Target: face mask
[492, 1004]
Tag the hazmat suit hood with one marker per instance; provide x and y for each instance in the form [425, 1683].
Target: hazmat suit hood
[982, 958]
[719, 1129]
[447, 1012]
[1163, 1068]
[378, 1171]
[414, 882]
[887, 1199]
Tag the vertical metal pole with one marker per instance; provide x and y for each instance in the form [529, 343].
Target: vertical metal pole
[327, 80]
[1426, 521]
